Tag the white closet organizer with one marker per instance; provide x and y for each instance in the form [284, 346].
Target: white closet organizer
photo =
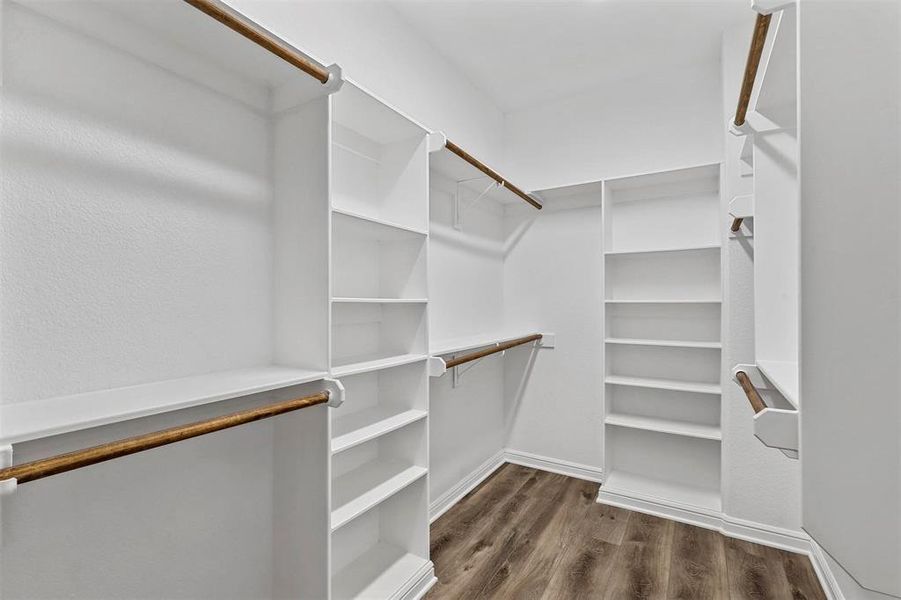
[165, 240]
[663, 319]
[379, 347]
[770, 130]
[777, 209]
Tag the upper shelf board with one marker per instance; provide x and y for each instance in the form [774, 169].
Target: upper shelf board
[784, 377]
[25, 421]
[359, 110]
[461, 344]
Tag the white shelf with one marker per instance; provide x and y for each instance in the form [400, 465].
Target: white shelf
[367, 363]
[638, 486]
[379, 573]
[663, 343]
[683, 428]
[357, 428]
[450, 346]
[666, 301]
[402, 230]
[662, 250]
[665, 384]
[365, 487]
[784, 377]
[42, 418]
[345, 300]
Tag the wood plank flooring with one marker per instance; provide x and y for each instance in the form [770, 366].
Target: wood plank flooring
[526, 534]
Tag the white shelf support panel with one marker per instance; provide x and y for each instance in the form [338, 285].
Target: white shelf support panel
[774, 427]
[7, 486]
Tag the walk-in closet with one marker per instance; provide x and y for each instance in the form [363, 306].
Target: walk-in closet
[450, 299]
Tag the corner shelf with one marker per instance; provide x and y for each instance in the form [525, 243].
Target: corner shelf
[365, 487]
[683, 428]
[350, 216]
[665, 384]
[663, 250]
[663, 343]
[653, 489]
[665, 301]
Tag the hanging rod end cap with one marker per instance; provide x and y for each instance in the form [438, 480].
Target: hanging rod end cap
[739, 130]
[548, 340]
[437, 141]
[437, 366]
[335, 391]
[335, 78]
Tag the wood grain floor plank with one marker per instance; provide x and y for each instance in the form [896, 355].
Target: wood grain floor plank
[584, 568]
[527, 570]
[753, 572]
[802, 580]
[641, 571]
[698, 565]
[525, 534]
[467, 568]
[456, 523]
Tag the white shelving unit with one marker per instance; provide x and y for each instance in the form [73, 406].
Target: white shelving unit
[663, 295]
[379, 349]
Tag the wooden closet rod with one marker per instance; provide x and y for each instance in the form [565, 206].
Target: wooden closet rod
[45, 467]
[736, 224]
[260, 37]
[754, 398]
[761, 26]
[490, 173]
[494, 350]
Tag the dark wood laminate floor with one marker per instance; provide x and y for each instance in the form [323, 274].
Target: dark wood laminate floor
[531, 535]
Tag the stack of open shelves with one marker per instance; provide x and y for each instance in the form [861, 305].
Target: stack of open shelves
[662, 351]
[379, 349]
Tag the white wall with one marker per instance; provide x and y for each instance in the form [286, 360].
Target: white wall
[381, 52]
[759, 484]
[467, 423]
[641, 125]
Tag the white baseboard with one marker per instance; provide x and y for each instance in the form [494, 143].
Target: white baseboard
[824, 573]
[563, 467]
[443, 503]
[419, 584]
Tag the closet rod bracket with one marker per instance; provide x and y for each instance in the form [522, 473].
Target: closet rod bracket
[774, 427]
[460, 207]
[335, 392]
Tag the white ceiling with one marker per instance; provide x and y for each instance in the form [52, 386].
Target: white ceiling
[526, 52]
